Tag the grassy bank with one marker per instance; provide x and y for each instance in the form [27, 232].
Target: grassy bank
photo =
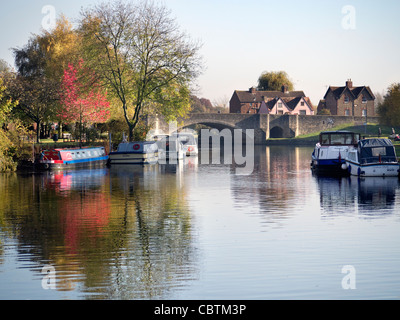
[371, 130]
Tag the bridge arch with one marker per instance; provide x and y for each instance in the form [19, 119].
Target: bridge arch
[219, 125]
[277, 132]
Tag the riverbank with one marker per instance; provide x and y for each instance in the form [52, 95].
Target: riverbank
[369, 131]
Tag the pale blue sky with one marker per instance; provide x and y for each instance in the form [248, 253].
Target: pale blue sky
[241, 39]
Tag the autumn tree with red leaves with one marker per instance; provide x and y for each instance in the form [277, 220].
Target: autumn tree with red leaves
[82, 99]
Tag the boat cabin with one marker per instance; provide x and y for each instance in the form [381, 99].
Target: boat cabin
[338, 138]
[376, 150]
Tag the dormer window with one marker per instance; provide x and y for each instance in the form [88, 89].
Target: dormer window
[346, 99]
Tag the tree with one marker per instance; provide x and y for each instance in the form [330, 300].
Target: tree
[140, 54]
[4, 67]
[81, 103]
[273, 81]
[389, 109]
[40, 67]
[7, 146]
[36, 96]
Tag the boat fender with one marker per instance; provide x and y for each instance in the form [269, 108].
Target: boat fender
[344, 166]
[136, 147]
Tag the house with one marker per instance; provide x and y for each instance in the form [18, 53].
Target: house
[272, 102]
[348, 101]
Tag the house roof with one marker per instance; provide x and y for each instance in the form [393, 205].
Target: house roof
[353, 91]
[259, 96]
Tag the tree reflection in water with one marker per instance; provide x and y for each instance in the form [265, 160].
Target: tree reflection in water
[119, 233]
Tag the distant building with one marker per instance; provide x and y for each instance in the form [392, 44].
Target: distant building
[348, 101]
[273, 102]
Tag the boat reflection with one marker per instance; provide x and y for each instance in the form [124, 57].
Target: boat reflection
[372, 196]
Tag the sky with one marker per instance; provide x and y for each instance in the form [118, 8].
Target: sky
[318, 43]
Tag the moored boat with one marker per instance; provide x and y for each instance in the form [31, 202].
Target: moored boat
[71, 158]
[140, 152]
[331, 151]
[189, 143]
[373, 158]
[170, 148]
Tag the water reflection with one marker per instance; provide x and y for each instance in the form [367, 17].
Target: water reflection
[277, 183]
[193, 230]
[369, 197]
[118, 233]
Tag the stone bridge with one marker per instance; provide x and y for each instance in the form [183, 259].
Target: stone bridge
[265, 126]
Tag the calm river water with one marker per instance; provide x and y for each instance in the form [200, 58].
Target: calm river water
[200, 231]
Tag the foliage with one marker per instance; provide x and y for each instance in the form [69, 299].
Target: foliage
[389, 109]
[203, 105]
[273, 81]
[40, 66]
[141, 56]
[80, 103]
[324, 112]
[11, 148]
[37, 97]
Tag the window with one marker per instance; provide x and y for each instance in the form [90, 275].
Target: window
[302, 103]
[364, 100]
[303, 112]
[346, 99]
[347, 112]
[280, 105]
[364, 112]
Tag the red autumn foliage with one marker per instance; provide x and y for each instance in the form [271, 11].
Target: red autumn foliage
[81, 103]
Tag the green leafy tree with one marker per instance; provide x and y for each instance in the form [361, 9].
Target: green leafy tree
[139, 53]
[7, 147]
[389, 109]
[273, 81]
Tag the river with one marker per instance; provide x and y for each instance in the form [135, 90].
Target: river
[200, 231]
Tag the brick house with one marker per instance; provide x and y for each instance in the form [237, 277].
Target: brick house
[273, 102]
[348, 101]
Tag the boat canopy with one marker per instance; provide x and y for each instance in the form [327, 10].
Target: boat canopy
[336, 138]
[374, 150]
[138, 147]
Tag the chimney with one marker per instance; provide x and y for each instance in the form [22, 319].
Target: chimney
[285, 88]
[349, 84]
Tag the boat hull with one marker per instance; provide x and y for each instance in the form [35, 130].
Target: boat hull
[373, 169]
[132, 158]
[62, 165]
[329, 167]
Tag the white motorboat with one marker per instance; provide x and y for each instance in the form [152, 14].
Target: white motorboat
[141, 152]
[189, 143]
[331, 151]
[170, 149]
[373, 158]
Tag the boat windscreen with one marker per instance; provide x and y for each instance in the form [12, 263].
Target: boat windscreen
[338, 138]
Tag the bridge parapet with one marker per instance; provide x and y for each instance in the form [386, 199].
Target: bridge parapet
[265, 126]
